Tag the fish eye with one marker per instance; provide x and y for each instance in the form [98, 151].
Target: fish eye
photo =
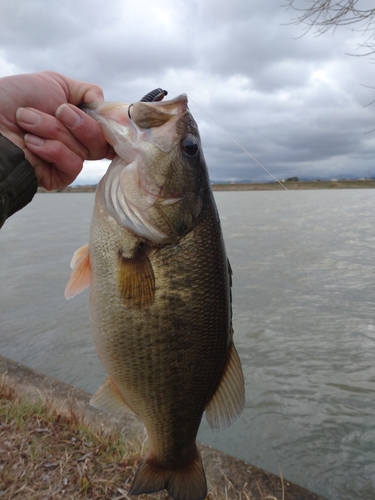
[189, 145]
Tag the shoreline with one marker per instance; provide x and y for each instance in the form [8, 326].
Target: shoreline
[256, 186]
[296, 185]
[221, 469]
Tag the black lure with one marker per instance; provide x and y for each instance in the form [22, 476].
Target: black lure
[154, 95]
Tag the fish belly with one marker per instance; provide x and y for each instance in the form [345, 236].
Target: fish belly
[165, 358]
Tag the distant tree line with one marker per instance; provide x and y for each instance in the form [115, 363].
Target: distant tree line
[292, 179]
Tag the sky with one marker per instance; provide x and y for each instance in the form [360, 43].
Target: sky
[299, 104]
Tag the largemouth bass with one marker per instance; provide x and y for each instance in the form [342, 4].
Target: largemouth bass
[160, 291]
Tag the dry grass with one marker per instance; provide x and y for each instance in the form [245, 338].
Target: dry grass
[52, 453]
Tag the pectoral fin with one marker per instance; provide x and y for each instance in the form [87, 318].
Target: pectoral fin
[80, 277]
[109, 398]
[228, 401]
[136, 279]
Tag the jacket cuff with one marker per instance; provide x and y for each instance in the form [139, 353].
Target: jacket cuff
[18, 182]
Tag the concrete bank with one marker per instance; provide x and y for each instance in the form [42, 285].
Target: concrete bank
[221, 469]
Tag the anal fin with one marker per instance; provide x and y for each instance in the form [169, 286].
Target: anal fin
[228, 400]
[109, 398]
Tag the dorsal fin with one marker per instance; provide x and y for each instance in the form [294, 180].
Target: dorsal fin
[228, 401]
[80, 277]
[136, 279]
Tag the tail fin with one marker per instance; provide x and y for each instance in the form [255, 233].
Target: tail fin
[184, 483]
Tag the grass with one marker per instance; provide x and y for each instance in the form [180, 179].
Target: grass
[51, 453]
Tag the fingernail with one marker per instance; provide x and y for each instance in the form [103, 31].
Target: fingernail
[27, 116]
[34, 140]
[69, 117]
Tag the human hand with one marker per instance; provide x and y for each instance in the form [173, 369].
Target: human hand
[60, 136]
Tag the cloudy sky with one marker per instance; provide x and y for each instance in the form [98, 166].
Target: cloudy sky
[299, 105]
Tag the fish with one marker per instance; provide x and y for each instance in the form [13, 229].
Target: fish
[160, 291]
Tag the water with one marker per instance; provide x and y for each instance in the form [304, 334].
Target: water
[304, 319]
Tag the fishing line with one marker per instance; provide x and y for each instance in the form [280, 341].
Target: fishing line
[238, 144]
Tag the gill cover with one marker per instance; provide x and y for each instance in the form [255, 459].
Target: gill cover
[152, 185]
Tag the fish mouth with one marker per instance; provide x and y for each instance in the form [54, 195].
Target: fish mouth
[134, 184]
[127, 126]
[144, 115]
[155, 114]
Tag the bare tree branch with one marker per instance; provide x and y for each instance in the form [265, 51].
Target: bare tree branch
[324, 15]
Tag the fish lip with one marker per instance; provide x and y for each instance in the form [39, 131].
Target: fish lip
[178, 106]
[148, 185]
[85, 105]
[91, 106]
[152, 187]
[181, 99]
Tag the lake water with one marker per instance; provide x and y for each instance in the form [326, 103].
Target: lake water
[304, 319]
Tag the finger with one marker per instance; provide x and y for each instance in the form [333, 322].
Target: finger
[66, 164]
[76, 91]
[48, 177]
[85, 130]
[44, 125]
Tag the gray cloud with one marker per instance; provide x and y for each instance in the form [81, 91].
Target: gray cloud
[298, 104]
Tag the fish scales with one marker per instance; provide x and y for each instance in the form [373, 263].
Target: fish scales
[190, 308]
[177, 334]
[160, 306]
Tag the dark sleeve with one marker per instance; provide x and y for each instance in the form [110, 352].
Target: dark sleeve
[18, 182]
